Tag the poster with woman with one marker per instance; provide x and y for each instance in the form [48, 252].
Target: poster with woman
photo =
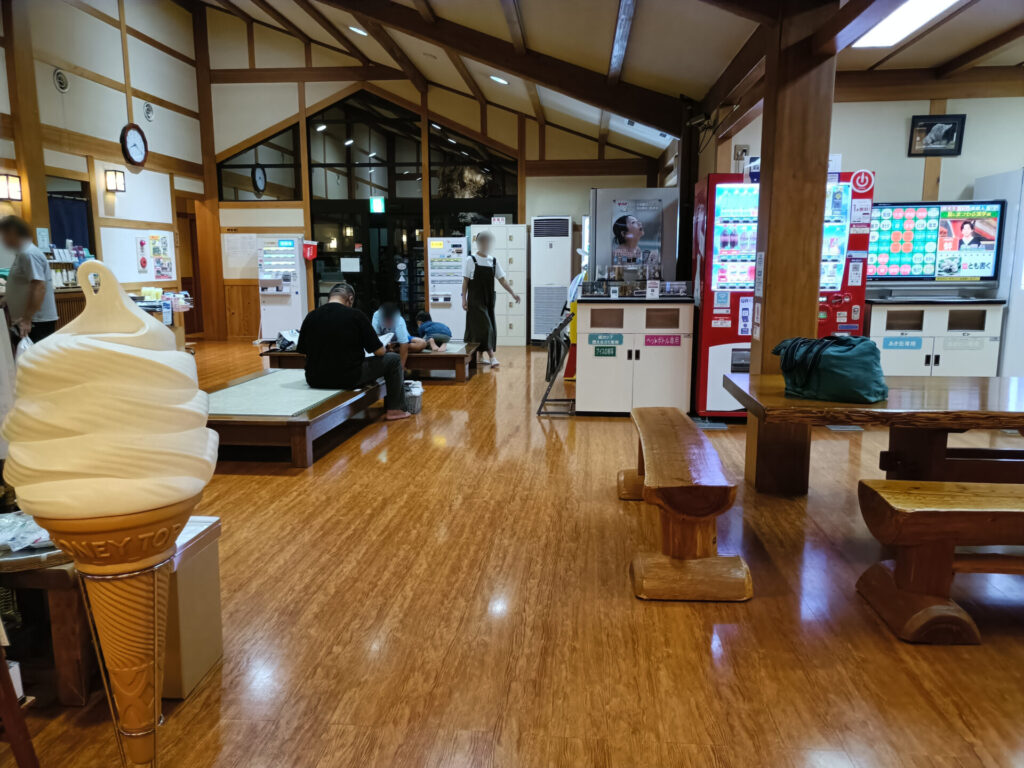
[636, 239]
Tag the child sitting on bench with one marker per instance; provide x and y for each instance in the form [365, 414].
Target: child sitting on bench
[435, 334]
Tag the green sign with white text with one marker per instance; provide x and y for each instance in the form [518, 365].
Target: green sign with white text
[604, 351]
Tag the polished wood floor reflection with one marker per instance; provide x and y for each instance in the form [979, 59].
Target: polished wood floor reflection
[452, 590]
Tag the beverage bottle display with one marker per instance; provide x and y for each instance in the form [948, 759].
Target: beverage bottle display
[723, 238]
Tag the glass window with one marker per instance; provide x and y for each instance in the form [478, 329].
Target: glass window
[273, 164]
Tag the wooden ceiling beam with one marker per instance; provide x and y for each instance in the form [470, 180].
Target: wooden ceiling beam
[850, 23]
[746, 68]
[328, 26]
[427, 14]
[394, 50]
[602, 135]
[281, 19]
[651, 108]
[761, 11]
[538, 108]
[749, 107]
[304, 74]
[969, 58]
[916, 84]
[514, 19]
[937, 22]
[623, 23]
[466, 75]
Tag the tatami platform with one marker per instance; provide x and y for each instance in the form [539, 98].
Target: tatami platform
[453, 590]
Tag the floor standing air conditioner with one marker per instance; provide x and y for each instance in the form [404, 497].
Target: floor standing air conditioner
[550, 271]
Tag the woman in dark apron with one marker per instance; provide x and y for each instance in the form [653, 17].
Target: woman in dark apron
[478, 277]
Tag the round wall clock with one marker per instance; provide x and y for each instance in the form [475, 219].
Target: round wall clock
[259, 179]
[134, 146]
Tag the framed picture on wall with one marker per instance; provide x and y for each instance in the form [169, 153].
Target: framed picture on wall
[936, 135]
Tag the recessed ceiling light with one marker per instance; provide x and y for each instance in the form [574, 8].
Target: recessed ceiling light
[452, 141]
[910, 16]
[372, 154]
[349, 142]
[499, 80]
[321, 128]
[359, 31]
[435, 125]
[466, 154]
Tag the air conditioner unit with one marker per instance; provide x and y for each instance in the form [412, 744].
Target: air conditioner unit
[550, 271]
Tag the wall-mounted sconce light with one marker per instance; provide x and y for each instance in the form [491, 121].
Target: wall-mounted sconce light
[333, 244]
[349, 232]
[10, 187]
[115, 181]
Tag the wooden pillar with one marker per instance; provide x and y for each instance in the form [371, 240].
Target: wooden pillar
[425, 192]
[28, 142]
[211, 266]
[306, 189]
[933, 165]
[521, 169]
[687, 169]
[799, 89]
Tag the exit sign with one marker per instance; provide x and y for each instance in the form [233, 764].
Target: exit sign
[376, 205]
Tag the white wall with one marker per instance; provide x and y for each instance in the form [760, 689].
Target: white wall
[875, 135]
[570, 195]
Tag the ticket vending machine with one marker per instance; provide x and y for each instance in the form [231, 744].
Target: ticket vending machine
[445, 259]
[282, 284]
[725, 269]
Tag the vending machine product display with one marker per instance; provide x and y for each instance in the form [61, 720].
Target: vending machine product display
[726, 265]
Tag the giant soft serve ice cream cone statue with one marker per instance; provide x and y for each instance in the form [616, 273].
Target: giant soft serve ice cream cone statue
[109, 451]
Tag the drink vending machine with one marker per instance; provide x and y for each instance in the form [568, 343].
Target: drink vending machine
[725, 269]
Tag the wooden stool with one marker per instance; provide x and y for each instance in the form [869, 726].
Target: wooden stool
[925, 522]
[679, 470]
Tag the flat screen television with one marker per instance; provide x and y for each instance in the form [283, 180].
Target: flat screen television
[937, 243]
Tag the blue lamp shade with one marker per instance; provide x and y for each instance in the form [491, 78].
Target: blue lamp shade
[10, 187]
[115, 181]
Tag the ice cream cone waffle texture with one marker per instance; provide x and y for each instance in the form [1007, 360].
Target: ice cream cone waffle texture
[109, 451]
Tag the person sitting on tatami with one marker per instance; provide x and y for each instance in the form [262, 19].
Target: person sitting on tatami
[435, 335]
[388, 319]
[335, 337]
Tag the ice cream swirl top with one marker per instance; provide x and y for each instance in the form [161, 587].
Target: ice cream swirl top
[108, 418]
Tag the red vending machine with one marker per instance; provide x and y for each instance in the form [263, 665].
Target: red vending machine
[725, 266]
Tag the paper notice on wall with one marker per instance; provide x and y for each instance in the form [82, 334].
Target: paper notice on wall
[856, 275]
[653, 289]
[746, 315]
[757, 332]
[759, 275]
[860, 210]
[757, 312]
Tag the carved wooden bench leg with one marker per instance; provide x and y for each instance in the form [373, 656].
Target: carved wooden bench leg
[631, 481]
[912, 596]
[689, 566]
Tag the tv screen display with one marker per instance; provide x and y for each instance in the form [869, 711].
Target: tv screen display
[935, 242]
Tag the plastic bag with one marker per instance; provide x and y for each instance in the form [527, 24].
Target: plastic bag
[20, 531]
[23, 346]
[287, 340]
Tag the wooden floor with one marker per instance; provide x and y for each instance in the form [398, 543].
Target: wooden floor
[452, 590]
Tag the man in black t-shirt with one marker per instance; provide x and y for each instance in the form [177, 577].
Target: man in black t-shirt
[334, 338]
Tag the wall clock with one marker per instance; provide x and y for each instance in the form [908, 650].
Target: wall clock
[259, 179]
[134, 146]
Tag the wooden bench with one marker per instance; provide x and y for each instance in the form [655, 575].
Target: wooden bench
[679, 471]
[925, 522]
[279, 359]
[460, 362]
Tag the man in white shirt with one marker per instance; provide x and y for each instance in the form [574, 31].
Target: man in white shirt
[30, 301]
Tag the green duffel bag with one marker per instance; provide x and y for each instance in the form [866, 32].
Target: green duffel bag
[842, 369]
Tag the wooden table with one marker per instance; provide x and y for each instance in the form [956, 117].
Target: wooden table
[51, 571]
[299, 430]
[920, 413]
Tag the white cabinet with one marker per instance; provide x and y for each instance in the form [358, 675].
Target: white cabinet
[633, 354]
[510, 251]
[938, 339]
